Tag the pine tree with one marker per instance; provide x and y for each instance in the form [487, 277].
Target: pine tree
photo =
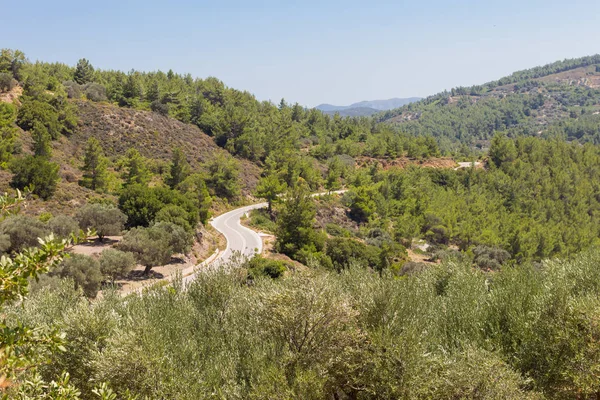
[41, 140]
[84, 73]
[153, 93]
[204, 201]
[295, 222]
[136, 171]
[269, 188]
[297, 112]
[94, 166]
[334, 174]
[132, 88]
[179, 168]
[282, 105]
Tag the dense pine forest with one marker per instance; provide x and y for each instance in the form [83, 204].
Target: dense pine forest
[410, 277]
[556, 100]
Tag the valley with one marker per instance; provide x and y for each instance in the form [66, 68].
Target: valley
[444, 247]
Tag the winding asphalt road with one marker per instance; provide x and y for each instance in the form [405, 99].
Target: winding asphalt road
[240, 240]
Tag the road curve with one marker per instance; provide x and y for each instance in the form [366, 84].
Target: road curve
[240, 239]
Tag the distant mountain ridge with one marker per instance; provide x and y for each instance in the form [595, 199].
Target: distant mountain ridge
[364, 108]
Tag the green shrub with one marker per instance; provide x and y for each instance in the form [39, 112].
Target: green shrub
[45, 216]
[105, 220]
[35, 173]
[344, 252]
[159, 107]
[116, 264]
[260, 219]
[85, 272]
[22, 232]
[174, 214]
[95, 92]
[449, 332]
[7, 83]
[141, 204]
[490, 258]
[412, 267]
[336, 230]
[33, 111]
[259, 266]
[73, 89]
[63, 226]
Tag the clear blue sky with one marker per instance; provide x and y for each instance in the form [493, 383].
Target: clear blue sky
[310, 51]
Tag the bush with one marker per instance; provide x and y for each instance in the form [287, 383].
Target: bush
[260, 219]
[377, 237]
[9, 143]
[174, 214]
[45, 216]
[116, 264]
[160, 108]
[260, 266]
[336, 230]
[7, 83]
[472, 374]
[63, 226]
[21, 231]
[33, 111]
[179, 240]
[344, 252]
[36, 173]
[412, 267]
[450, 332]
[106, 220]
[4, 243]
[95, 92]
[141, 204]
[490, 258]
[85, 272]
[73, 89]
[437, 235]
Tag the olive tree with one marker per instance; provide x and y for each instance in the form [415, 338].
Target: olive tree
[116, 264]
[154, 246]
[21, 231]
[63, 226]
[105, 219]
[85, 272]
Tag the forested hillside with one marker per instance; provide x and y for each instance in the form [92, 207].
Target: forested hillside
[529, 102]
[410, 277]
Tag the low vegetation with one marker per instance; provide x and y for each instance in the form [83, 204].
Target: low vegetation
[449, 331]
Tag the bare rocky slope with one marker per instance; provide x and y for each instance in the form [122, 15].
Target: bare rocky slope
[153, 135]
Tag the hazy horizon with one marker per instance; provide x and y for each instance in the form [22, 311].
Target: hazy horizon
[317, 52]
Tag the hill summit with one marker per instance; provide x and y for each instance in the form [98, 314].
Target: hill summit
[367, 107]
